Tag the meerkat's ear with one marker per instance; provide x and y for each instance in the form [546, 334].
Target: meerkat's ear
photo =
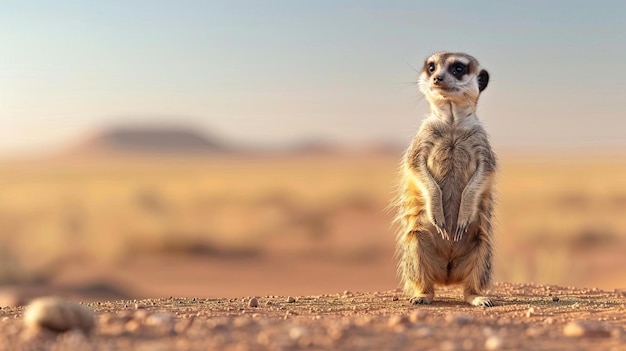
[483, 80]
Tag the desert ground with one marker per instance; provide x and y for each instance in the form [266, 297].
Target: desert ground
[526, 317]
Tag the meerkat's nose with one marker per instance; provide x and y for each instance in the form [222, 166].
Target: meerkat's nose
[438, 79]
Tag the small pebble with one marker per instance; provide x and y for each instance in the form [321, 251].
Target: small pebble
[468, 344]
[530, 312]
[160, 320]
[458, 318]
[242, 322]
[132, 326]
[448, 346]
[363, 321]
[534, 332]
[184, 325]
[493, 342]
[254, 302]
[504, 321]
[555, 298]
[424, 332]
[291, 299]
[335, 332]
[584, 329]
[264, 338]
[417, 315]
[296, 333]
[487, 331]
[397, 320]
[140, 315]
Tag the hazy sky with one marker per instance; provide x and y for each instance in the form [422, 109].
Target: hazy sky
[279, 71]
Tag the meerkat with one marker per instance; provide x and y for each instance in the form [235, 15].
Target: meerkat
[446, 196]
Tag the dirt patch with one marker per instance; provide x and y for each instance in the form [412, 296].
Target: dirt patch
[527, 317]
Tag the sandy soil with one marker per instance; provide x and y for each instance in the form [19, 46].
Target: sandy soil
[527, 317]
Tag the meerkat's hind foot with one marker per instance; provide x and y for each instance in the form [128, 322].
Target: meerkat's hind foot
[480, 301]
[421, 299]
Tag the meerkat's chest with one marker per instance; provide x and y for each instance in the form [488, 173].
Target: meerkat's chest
[451, 158]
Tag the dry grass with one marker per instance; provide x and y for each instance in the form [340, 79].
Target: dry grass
[555, 217]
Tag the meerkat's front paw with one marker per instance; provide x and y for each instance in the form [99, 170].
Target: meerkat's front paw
[461, 229]
[438, 220]
[441, 229]
[466, 218]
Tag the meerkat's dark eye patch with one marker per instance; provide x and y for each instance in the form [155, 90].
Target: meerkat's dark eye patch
[431, 67]
[458, 69]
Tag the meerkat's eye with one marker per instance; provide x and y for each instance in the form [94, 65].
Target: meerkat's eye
[431, 67]
[458, 68]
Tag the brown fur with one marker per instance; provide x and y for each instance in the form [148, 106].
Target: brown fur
[445, 203]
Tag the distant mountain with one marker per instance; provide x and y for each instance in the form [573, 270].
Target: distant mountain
[148, 140]
[313, 147]
[159, 140]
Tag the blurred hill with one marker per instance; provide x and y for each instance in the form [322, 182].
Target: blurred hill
[147, 140]
[185, 140]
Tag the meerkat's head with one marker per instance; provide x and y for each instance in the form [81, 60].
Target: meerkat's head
[454, 77]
